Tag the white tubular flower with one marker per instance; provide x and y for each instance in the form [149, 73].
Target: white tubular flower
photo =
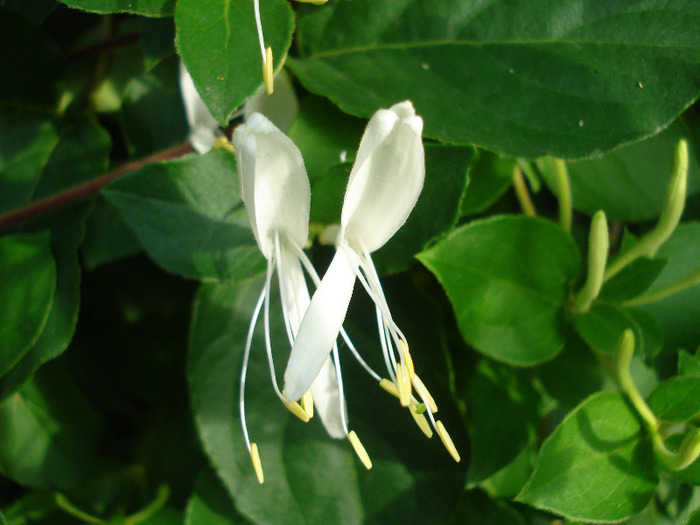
[203, 126]
[383, 188]
[275, 189]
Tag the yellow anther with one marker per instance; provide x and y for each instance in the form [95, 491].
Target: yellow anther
[447, 440]
[257, 464]
[295, 408]
[423, 391]
[268, 76]
[315, 2]
[389, 386]
[420, 419]
[359, 449]
[307, 403]
[406, 358]
[403, 384]
[223, 143]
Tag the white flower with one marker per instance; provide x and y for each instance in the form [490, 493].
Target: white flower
[203, 126]
[383, 188]
[275, 189]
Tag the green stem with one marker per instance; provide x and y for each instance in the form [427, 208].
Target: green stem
[688, 281]
[522, 193]
[74, 511]
[598, 245]
[690, 448]
[670, 215]
[83, 191]
[563, 193]
[153, 507]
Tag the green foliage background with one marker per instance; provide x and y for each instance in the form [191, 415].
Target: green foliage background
[128, 271]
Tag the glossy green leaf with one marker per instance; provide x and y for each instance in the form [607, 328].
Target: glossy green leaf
[676, 399]
[28, 274]
[596, 466]
[520, 77]
[678, 313]
[210, 504]
[154, 117]
[157, 39]
[188, 216]
[476, 507]
[602, 326]
[107, 237]
[629, 183]
[503, 417]
[27, 142]
[325, 135]
[218, 41]
[688, 365]
[49, 432]
[507, 279]
[633, 280]
[310, 477]
[136, 7]
[489, 178]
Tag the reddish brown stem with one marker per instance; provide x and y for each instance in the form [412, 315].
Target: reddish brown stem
[86, 190]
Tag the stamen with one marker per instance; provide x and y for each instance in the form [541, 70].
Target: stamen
[359, 449]
[403, 384]
[408, 361]
[257, 464]
[447, 440]
[295, 408]
[390, 387]
[420, 419]
[268, 76]
[423, 392]
[307, 403]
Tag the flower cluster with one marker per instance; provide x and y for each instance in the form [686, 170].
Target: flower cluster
[383, 188]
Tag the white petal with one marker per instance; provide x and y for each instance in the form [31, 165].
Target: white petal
[386, 179]
[320, 327]
[281, 107]
[326, 396]
[274, 184]
[202, 124]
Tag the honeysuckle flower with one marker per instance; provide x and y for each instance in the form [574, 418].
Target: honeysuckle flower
[203, 126]
[280, 108]
[275, 190]
[383, 188]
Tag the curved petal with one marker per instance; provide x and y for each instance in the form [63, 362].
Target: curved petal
[386, 179]
[202, 124]
[326, 394]
[320, 327]
[274, 184]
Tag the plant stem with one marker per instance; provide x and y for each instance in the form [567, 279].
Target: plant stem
[522, 194]
[563, 193]
[85, 190]
[689, 280]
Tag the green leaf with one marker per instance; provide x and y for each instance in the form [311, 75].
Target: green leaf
[633, 280]
[476, 507]
[157, 39]
[136, 7]
[28, 140]
[36, 11]
[218, 41]
[49, 432]
[596, 466]
[688, 365]
[489, 178]
[28, 274]
[152, 110]
[518, 77]
[629, 183]
[107, 237]
[188, 216]
[503, 417]
[690, 474]
[210, 504]
[436, 211]
[676, 399]
[310, 477]
[678, 313]
[30, 62]
[507, 279]
[602, 326]
[325, 136]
